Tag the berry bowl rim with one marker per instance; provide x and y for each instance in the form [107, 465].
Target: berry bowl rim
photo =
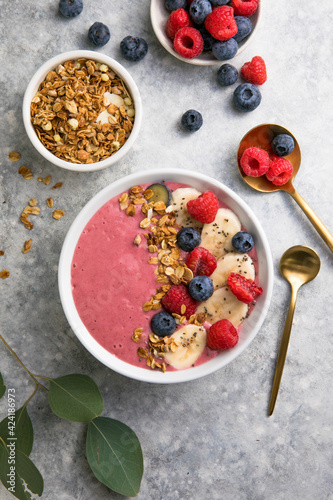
[159, 15]
[32, 88]
[249, 329]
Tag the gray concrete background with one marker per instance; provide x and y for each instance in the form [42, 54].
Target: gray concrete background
[208, 439]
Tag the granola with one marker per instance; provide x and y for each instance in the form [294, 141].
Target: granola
[82, 111]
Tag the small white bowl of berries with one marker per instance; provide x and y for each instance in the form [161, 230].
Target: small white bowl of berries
[205, 32]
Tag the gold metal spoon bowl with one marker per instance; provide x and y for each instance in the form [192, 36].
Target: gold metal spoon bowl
[298, 265]
[261, 137]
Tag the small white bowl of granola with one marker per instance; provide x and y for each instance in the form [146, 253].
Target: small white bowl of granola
[82, 111]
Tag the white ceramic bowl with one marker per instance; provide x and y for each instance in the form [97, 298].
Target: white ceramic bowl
[39, 77]
[249, 328]
[159, 16]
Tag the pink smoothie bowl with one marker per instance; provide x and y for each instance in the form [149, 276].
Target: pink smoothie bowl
[38, 78]
[249, 328]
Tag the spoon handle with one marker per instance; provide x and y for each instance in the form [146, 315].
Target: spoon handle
[314, 219]
[283, 350]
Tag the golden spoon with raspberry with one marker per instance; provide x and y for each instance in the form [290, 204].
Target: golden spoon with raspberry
[261, 137]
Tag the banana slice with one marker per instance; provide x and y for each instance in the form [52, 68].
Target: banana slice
[223, 304]
[192, 342]
[216, 237]
[232, 262]
[179, 199]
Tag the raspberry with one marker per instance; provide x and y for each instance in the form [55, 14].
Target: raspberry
[201, 262]
[244, 7]
[188, 42]
[221, 23]
[245, 290]
[222, 335]
[254, 162]
[178, 19]
[177, 296]
[255, 71]
[280, 170]
[204, 208]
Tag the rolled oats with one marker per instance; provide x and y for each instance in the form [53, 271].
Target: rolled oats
[57, 214]
[4, 274]
[27, 246]
[82, 112]
[14, 156]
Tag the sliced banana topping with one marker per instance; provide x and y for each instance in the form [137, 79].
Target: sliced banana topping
[232, 262]
[191, 340]
[179, 199]
[223, 304]
[216, 237]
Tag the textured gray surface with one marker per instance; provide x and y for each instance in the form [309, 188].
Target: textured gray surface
[210, 438]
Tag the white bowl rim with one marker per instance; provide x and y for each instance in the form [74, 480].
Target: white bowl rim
[64, 276]
[204, 59]
[39, 76]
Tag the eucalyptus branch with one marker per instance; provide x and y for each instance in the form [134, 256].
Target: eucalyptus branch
[23, 366]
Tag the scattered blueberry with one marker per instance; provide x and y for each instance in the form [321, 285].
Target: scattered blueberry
[161, 193]
[227, 75]
[192, 120]
[199, 10]
[225, 50]
[242, 242]
[163, 324]
[175, 4]
[98, 34]
[188, 238]
[247, 97]
[201, 288]
[283, 145]
[70, 8]
[218, 3]
[244, 25]
[208, 39]
[133, 48]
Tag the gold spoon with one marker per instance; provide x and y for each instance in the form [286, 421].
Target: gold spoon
[299, 265]
[262, 137]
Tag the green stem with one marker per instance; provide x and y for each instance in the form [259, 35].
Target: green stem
[23, 366]
[30, 397]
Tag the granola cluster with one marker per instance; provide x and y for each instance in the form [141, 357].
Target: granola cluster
[82, 112]
[170, 269]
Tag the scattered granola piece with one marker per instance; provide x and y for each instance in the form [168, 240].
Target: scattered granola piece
[27, 246]
[2, 252]
[57, 185]
[14, 156]
[137, 240]
[49, 202]
[33, 202]
[4, 274]
[25, 172]
[57, 214]
[46, 180]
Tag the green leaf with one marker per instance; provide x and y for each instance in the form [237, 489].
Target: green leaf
[75, 398]
[18, 425]
[2, 387]
[16, 467]
[114, 455]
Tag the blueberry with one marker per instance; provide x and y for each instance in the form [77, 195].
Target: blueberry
[133, 48]
[218, 3]
[283, 145]
[227, 75]
[163, 324]
[225, 50]
[98, 34]
[242, 242]
[175, 4]
[192, 120]
[188, 238]
[244, 26]
[247, 97]
[161, 193]
[208, 39]
[199, 10]
[201, 288]
[70, 8]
